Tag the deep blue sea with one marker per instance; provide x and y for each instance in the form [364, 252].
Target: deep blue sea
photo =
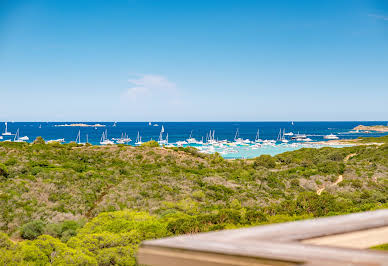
[178, 131]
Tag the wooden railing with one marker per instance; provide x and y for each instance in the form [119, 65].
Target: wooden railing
[337, 240]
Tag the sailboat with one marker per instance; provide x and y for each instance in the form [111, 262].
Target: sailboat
[284, 140]
[191, 139]
[240, 141]
[161, 140]
[138, 139]
[78, 139]
[104, 138]
[6, 133]
[257, 139]
[149, 123]
[124, 139]
[16, 138]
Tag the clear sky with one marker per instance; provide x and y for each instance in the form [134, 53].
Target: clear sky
[193, 60]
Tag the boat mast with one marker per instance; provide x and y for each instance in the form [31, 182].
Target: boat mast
[16, 135]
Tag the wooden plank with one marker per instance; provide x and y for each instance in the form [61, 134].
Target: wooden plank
[279, 243]
[359, 239]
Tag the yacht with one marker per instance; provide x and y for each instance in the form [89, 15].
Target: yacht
[162, 141]
[6, 133]
[25, 138]
[104, 138]
[191, 139]
[16, 138]
[181, 143]
[255, 146]
[257, 138]
[124, 139]
[240, 141]
[330, 136]
[298, 136]
[288, 134]
[138, 139]
[56, 140]
[78, 139]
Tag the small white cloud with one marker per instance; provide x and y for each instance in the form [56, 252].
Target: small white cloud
[380, 17]
[149, 85]
[152, 81]
[153, 97]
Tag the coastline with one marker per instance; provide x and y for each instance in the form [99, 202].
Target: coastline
[377, 128]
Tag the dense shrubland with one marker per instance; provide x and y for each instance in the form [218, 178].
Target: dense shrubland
[71, 204]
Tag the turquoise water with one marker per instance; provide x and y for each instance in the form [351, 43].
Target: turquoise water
[248, 152]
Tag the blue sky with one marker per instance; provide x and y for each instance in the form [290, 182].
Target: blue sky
[193, 60]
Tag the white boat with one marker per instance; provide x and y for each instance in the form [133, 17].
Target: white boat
[6, 133]
[284, 140]
[56, 140]
[149, 123]
[181, 143]
[114, 124]
[16, 138]
[124, 139]
[257, 138]
[255, 146]
[191, 139]
[156, 125]
[78, 139]
[281, 136]
[240, 141]
[138, 139]
[298, 136]
[1, 137]
[288, 134]
[25, 138]
[330, 136]
[104, 138]
[162, 141]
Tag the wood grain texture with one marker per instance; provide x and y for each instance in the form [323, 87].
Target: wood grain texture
[271, 244]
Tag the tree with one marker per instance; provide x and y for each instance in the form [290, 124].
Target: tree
[32, 229]
[3, 170]
[39, 140]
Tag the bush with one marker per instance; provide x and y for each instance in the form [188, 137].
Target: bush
[266, 161]
[39, 140]
[151, 143]
[32, 230]
[3, 170]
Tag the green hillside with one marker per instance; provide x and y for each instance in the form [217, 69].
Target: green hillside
[69, 204]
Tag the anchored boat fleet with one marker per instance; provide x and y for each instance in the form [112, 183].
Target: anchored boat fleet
[207, 144]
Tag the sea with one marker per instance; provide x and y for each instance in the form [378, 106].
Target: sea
[180, 131]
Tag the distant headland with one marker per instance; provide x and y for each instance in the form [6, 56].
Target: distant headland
[80, 125]
[378, 128]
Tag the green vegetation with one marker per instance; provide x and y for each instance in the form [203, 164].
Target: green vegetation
[383, 247]
[91, 205]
